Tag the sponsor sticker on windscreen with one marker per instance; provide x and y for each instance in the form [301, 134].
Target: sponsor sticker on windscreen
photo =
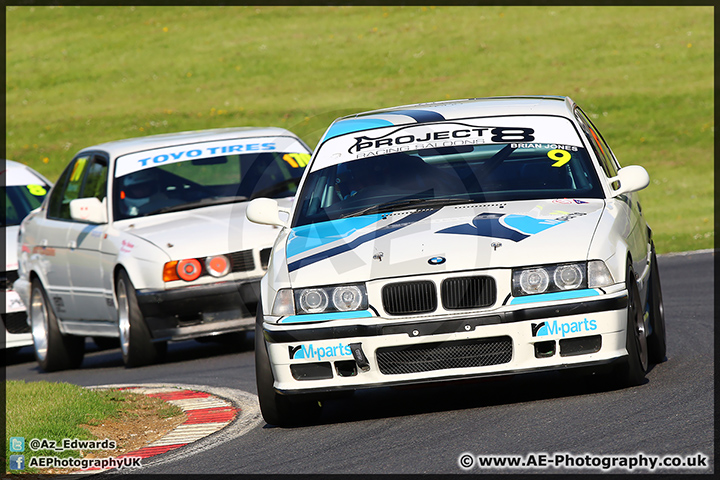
[134, 162]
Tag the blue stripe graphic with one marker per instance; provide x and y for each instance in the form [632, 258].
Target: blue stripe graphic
[402, 223]
[324, 317]
[547, 297]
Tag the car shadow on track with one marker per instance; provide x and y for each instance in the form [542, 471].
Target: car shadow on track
[459, 395]
[108, 356]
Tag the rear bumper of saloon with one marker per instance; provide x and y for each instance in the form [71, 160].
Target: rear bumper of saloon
[200, 310]
[376, 352]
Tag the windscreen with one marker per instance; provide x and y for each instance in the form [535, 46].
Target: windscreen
[21, 200]
[389, 176]
[200, 175]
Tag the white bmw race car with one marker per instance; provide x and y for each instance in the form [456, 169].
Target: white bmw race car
[453, 240]
[24, 189]
[145, 240]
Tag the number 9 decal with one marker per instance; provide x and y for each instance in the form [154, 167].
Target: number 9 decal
[561, 157]
[36, 190]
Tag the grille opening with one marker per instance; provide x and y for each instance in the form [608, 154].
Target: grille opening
[444, 355]
[346, 368]
[580, 345]
[242, 261]
[16, 322]
[311, 371]
[409, 297]
[468, 292]
[545, 349]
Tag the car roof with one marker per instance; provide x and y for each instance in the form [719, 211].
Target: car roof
[16, 173]
[486, 106]
[433, 112]
[130, 145]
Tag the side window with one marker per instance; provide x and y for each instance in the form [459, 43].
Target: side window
[602, 151]
[96, 179]
[85, 177]
[57, 196]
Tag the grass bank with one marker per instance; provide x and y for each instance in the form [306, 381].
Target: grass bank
[56, 411]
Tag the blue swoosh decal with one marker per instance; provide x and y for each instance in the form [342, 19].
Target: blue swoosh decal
[402, 223]
[353, 125]
[307, 237]
[486, 225]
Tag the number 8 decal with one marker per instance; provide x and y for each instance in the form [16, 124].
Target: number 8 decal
[36, 190]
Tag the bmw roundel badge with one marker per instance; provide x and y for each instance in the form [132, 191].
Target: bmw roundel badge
[436, 260]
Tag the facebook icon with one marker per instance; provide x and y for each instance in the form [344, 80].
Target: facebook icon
[17, 462]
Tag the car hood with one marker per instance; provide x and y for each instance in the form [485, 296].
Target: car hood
[204, 231]
[452, 238]
[11, 237]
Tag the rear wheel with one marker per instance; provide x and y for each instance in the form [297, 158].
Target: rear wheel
[280, 410]
[53, 350]
[656, 341]
[633, 371]
[136, 343]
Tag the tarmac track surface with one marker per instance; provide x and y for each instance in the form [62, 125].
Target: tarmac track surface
[425, 430]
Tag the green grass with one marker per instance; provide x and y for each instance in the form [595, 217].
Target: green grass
[55, 411]
[78, 76]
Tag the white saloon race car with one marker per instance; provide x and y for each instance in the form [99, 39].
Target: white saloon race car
[452, 240]
[146, 240]
[24, 190]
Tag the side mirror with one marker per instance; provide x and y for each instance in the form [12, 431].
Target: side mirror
[632, 179]
[89, 210]
[265, 211]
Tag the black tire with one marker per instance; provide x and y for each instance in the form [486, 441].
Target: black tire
[53, 350]
[632, 372]
[106, 343]
[136, 343]
[277, 409]
[657, 346]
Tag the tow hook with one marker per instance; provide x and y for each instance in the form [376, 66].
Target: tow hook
[359, 356]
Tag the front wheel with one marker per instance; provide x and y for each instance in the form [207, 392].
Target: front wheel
[53, 350]
[136, 343]
[634, 369]
[277, 409]
[656, 341]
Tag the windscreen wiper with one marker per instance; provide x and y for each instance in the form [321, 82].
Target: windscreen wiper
[409, 203]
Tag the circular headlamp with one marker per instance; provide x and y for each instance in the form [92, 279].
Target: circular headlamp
[189, 269]
[346, 298]
[567, 277]
[217, 266]
[314, 300]
[535, 280]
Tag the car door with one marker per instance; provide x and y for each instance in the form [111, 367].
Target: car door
[89, 269]
[637, 237]
[50, 245]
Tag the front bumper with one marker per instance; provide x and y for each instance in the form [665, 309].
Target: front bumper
[329, 356]
[201, 310]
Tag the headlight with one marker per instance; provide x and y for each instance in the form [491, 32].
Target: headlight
[550, 278]
[340, 298]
